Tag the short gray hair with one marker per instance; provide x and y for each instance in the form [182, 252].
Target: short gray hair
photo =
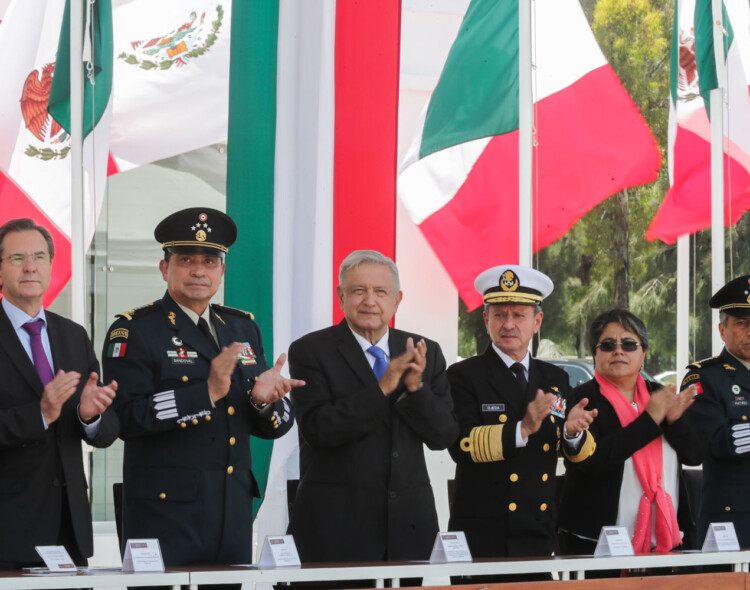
[724, 318]
[628, 320]
[369, 257]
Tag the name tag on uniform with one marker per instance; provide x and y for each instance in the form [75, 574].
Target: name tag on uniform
[493, 407]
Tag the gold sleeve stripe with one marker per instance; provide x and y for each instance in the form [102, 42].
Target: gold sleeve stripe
[484, 443]
[587, 449]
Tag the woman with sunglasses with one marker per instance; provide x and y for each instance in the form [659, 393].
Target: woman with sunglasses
[632, 477]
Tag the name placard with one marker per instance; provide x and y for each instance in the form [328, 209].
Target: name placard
[279, 551]
[450, 547]
[721, 536]
[142, 555]
[613, 540]
[56, 558]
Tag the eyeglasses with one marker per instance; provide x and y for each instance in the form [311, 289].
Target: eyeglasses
[19, 259]
[628, 345]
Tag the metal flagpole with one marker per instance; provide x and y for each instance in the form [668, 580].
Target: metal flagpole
[717, 170]
[525, 131]
[683, 306]
[78, 251]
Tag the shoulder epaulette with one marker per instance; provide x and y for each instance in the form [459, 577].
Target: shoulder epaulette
[714, 360]
[139, 311]
[232, 311]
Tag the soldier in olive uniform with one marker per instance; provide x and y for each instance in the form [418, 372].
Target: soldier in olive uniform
[511, 410]
[721, 412]
[194, 385]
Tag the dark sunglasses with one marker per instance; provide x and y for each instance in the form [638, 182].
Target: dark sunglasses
[627, 345]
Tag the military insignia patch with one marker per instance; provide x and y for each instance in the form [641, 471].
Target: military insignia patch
[247, 354]
[177, 341]
[119, 333]
[172, 316]
[736, 389]
[729, 367]
[509, 281]
[493, 407]
[117, 350]
[558, 408]
[689, 378]
[698, 388]
[182, 353]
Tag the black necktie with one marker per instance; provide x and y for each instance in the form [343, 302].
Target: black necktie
[203, 325]
[517, 368]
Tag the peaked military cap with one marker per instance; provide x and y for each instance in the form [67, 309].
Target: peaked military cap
[733, 298]
[198, 230]
[513, 284]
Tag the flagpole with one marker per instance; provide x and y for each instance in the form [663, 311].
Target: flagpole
[683, 305]
[78, 252]
[717, 169]
[525, 133]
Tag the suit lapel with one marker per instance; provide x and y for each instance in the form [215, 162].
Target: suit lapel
[350, 349]
[503, 381]
[186, 332]
[12, 345]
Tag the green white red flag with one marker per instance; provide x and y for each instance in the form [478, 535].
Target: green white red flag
[459, 180]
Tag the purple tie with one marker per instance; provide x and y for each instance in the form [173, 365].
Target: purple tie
[41, 363]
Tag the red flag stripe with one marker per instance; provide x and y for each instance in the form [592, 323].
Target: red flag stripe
[366, 73]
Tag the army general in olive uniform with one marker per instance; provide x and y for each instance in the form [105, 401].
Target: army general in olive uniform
[194, 385]
[721, 412]
[511, 410]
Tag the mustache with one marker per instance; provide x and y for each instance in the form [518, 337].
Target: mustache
[513, 333]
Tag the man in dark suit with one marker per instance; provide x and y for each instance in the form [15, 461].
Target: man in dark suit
[511, 410]
[194, 385]
[721, 413]
[50, 400]
[373, 398]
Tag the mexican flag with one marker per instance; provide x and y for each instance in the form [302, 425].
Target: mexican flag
[686, 208]
[35, 166]
[459, 180]
[311, 171]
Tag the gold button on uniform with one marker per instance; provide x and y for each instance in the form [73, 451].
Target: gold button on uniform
[513, 477]
[545, 447]
[230, 410]
[543, 507]
[230, 469]
[195, 421]
[744, 417]
[232, 440]
[552, 419]
[545, 477]
[162, 495]
[208, 418]
[183, 424]
[503, 418]
[512, 506]
[727, 508]
[184, 378]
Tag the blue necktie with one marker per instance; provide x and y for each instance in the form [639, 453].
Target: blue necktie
[380, 363]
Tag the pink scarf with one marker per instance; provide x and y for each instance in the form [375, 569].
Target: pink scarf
[648, 467]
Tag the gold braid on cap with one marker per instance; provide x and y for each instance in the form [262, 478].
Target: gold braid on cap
[515, 297]
[484, 443]
[734, 306]
[587, 449]
[195, 243]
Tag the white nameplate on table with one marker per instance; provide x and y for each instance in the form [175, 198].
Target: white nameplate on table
[142, 555]
[721, 536]
[450, 547]
[613, 540]
[279, 551]
[56, 558]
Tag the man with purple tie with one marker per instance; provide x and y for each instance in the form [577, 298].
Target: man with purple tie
[50, 400]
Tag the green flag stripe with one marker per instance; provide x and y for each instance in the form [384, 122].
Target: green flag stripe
[704, 46]
[250, 169]
[477, 94]
[96, 97]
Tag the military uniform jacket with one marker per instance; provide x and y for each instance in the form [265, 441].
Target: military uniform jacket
[35, 463]
[506, 502]
[364, 491]
[721, 409]
[187, 477]
[593, 479]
